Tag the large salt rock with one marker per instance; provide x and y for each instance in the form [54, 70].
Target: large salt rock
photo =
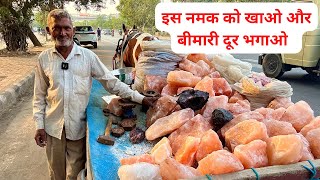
[163, 107]
[214, 103]
[236, 96]
[314, 124]
[169, 90]
[269, 113]
[276, 128]
[168, 124]
[279, 102]
[221, 87]
[136, 159]
[306, 151]
[187, 151]
[181, 89]
[161, 151]
[195, 127]
[204, 67]
[284, 149]
[219, 162]
[182, 78]
[192, 67]
[197, 57]
[239, 107]
[171, 169]
[214, 74]
[245, 132]
[253, 154]
[141, 171]
[313, 137]
[239, 118]
[209, 142]
[205, 85]
[299, 115]
[155, 83]
[114, 107]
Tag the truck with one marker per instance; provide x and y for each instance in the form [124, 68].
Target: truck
[275, 65]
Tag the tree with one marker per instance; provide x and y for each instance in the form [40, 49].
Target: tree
[15, 18]
[138, 12]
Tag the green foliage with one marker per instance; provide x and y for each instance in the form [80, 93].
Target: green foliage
[109, 22]
[41, 18]
[15, 18]
[138, 12]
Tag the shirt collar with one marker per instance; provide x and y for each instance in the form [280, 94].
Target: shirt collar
[75, 51]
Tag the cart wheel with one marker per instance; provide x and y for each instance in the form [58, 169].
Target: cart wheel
[272, 66]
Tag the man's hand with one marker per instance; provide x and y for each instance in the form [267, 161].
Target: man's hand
[41, 137]
[149, 101]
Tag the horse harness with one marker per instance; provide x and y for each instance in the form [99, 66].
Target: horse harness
[123, 44]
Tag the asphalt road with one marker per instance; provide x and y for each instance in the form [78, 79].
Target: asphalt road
[22, 159]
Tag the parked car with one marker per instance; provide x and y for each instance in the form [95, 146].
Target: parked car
[86, 35]
[107, 31]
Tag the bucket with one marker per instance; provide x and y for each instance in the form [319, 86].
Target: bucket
[124, 75]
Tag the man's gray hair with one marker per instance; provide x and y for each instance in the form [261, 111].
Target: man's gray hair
[58, 14]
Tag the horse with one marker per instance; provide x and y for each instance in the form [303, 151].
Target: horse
[128, 47]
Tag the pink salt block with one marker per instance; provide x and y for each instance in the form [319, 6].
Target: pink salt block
[276, 128]
[219, 162]
[253, 154]
[182, 79]
[205, 85]
[209, 142]
[171, 169]
[168, 124]
[284, 149]
[186, 153]
[299, 115]
[313, 137]
[245, 132]
[221, 87]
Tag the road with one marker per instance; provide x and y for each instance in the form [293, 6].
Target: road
[22, 159]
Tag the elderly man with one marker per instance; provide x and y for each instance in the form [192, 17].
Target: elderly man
[61, 93]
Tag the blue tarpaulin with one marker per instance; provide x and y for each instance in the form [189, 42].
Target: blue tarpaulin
[104, 160]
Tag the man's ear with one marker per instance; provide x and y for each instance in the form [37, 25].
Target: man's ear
[47, 29]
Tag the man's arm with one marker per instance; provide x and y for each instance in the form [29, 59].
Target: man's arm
[111, 83]
[41, 83]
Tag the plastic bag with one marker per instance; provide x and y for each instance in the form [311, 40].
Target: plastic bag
[260, 94]
[154, 63]
[156, 45]
[230, 68]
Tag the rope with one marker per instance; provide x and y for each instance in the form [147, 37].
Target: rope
[313, 171]
[256, 173]
[208, 177]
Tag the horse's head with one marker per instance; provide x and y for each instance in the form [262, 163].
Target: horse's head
[128, 48]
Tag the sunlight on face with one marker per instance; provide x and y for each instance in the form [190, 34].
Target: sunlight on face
[61, 31]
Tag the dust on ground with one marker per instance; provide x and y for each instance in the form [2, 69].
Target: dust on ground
[20, 157]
